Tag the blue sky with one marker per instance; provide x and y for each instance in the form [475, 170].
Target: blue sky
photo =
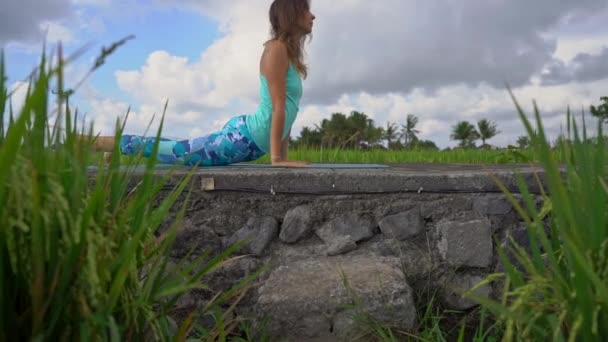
[188, 34]
[441, 61]
[182, 32]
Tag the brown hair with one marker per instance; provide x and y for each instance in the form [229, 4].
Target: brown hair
[284, 16]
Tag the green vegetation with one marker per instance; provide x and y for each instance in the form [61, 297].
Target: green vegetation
[82, 261]
[560, 291]
[358, 132]
[458, 156]
[466, 133]
[601, 111]
[487, 130]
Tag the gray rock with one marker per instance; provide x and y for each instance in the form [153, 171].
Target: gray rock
[260, 230]
[357, 226]
[466, 243]
[341, 245]
[453, 290]
[492, 205]
[308, 299]
[518, 236]
[403, 225]
[297, 224]
[416, 261]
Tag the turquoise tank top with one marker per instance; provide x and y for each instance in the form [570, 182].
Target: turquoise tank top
[259, 123]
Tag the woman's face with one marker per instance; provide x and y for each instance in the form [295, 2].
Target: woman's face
[306, 21]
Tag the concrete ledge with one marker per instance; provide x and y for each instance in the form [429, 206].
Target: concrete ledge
[402, 178]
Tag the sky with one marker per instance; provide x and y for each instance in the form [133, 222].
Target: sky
[442, 60]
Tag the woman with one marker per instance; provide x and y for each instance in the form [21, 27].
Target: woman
[249, 137]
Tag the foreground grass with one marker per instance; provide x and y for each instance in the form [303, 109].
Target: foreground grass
[560, 290]
[82, 260]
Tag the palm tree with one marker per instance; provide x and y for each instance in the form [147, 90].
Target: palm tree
[310, 137]
[361, 129]
[601, 111]
[390, 133]
[466, 133]
[487, 130]
[335, 130]
[372, 134]
[408, 131]
[523, 142]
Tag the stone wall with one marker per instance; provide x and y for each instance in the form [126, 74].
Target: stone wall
[325, 253]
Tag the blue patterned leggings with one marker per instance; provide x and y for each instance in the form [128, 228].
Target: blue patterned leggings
[232, 144]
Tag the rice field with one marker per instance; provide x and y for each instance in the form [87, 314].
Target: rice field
[499, 156]
[407, 156]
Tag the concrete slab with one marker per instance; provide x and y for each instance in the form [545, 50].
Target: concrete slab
[396, 178]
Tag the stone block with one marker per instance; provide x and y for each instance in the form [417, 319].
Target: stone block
[467, 243]
[307, 299]
[297, 224]
[492, 205]
[357, 226]
[341, 245]
[260, 231]
[403, 225]
[456, 287]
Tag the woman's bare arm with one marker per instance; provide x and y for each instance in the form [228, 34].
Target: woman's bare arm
[285, 146]
[274, 65]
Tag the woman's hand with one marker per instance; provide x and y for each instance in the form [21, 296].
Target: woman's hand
[290, 163]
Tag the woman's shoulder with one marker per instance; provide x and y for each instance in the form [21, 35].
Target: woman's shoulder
[275, 45]
[275, 54]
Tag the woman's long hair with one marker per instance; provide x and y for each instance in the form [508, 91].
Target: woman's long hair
[284, 16]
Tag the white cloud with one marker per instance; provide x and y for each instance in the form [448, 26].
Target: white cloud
[56, 32]
[19, 91]
[568, 48]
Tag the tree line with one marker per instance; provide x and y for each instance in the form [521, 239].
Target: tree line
[358, 131]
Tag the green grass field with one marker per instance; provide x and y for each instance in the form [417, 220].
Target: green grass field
[405, 156]
[502, 156]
